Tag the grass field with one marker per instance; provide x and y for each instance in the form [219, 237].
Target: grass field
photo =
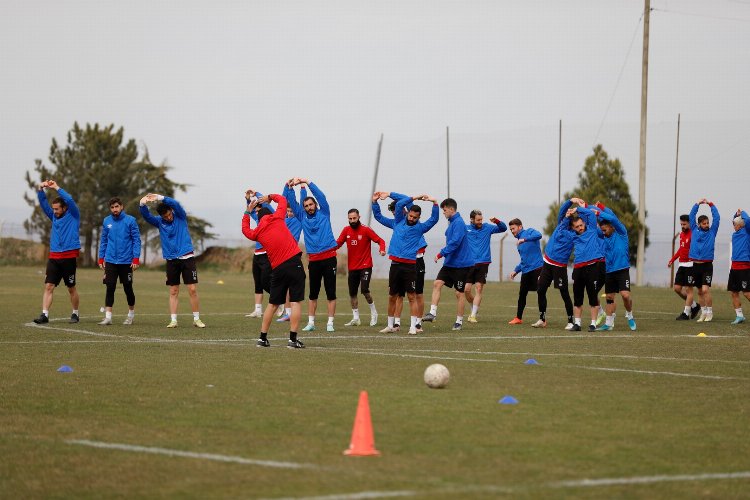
[659, 413]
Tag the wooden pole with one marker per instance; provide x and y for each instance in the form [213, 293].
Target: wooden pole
[500, 259]
[674, 206]
[640, 258]
[374, 180]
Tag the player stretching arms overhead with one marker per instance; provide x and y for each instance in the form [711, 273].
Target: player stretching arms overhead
[479, 235]
[739, 274]
[702, 254]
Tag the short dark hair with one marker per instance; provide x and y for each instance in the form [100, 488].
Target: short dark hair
[685, 218]
[474, 213]
[701, 218]
[310, 198]
[353, 210]
[60, 202]
[115, 201]
[515, 222]
[263, 212]
[416, 209]
[574, 218]
[449, 202]
[162, 208]
[392, 206]
[604, 222]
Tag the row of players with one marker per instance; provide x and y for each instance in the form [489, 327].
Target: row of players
[594, 234]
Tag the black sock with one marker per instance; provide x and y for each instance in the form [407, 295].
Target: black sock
[570, 319]
[293, 336]
[543, 316]
[263, 336]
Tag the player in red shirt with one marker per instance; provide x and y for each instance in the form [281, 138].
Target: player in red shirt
[684, 280]
[287, 273]
[358, 239]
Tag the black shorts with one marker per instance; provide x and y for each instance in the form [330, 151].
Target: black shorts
[617, 281]
[61, 270]
[703, 273]
[322, 270]
[530, 280]
[114, 271]
[182, 267]
[289, 276]
[478, 274]
[553, 275]
[359, 279]
[419, 285]
[684, 276]
[262, 273]
[402, 278]
[587, 279]
[454, 277]
[739, 280]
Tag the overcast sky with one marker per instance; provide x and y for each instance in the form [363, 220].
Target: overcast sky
[238, 94]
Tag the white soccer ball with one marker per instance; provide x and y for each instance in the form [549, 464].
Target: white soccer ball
[436, 376]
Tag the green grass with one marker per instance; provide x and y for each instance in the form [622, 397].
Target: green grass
[677, 404]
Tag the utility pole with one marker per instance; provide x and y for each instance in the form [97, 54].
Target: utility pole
[559, 164]
[375, 179]
[640, 258]
[448, 157]
[674, 207]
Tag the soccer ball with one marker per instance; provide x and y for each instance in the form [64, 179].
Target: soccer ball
[436, 376]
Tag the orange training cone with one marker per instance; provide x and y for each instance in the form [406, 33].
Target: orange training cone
[363, 441]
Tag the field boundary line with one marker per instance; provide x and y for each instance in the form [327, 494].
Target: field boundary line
[190, 454]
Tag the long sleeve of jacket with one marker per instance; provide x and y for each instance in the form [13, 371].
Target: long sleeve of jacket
[44, 204]
[103, 241]
[72, 207]
[179, 212]
[716, 219]
[386, 221]
[434, 218]
[377, 239]
[322, 201]
[148, 217]
[135, 236]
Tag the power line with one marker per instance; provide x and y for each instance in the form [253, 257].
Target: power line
[619, 77]
[692, 14]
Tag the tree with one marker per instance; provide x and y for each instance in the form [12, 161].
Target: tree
[95, 165]
[603, 180]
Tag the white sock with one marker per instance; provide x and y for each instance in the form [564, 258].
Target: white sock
[259, 307]
[474, 310]
[610, 321]
[413, 320]
[693, 304]
[577, 321]
[196, 315]
[433, 310]
[330, 320]
[709, 310]
[390, 322]
[738, 312]
[686, 311]
[311, 320]
[704, 310]
[75, 311]
[372, 308]
[397, 320]
[173, 316]
[629, 314]
[460, 320]
[355, 312]
[288, 311]
[108, 314]
[131, 313]
[45, 312]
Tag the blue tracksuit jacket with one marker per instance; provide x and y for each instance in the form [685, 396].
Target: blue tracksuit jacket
[741, 241]
[560, 243]
[317, 227]
[702, 242]
[529, 250]
[120, 242]
[588, 245]
[457, 250]
[617, 250]
[406, 239]
[175, 237]
[65, 233]
[479, 240]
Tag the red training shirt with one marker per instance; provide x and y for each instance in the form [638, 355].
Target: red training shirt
[273, 234]
[684, 250]
[358, 245]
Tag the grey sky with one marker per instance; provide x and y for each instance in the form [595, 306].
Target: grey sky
[246, 94]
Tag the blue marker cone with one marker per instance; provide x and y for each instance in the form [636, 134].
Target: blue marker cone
[508, 400]
[531, 361]
[65, 369]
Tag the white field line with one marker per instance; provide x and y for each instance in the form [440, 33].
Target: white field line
[191, 454]
[627, 370]
[576, 483]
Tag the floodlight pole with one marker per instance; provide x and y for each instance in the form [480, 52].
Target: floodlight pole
[674, 207]
[640, 258]
[374, 179]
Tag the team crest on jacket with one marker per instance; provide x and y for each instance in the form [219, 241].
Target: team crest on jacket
[109, 226]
